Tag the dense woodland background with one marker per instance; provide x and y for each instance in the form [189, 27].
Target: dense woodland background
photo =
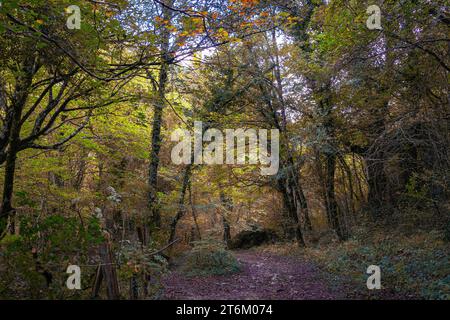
[86, 118]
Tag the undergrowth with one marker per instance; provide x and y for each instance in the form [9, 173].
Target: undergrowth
[412, 267]
[209, 257]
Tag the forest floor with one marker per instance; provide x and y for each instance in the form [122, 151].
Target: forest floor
[262, 276]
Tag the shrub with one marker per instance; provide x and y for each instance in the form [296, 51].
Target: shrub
[210, 257]
[140, 268]
[33, 264]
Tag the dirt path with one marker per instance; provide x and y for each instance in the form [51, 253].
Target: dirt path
[263, 276]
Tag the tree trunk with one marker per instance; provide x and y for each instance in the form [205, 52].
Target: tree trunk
[194, 211]
[181, 207]
[288, 178]
[226, 231]
[329, 150]
[227, 204]
[19, 99]
[8, 187]
[291, 202]
[331, 204]
[375, 159]
[109, 271]
[299, 195]
[155, 219]
[134, 288]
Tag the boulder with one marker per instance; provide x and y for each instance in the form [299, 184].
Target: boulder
[252, 238]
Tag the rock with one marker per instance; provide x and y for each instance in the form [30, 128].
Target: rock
[253, 238]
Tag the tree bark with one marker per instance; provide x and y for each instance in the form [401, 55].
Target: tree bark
[375, 159]
[19, 99]
[286, 185]
[155, 218]
[181, 207]
[329, 150]
[332, 208]
[194, 211]
[109, 271]
[227, 204]
[288, 178]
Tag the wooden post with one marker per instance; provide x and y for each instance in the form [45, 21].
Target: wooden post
[97, 282]
[134, 290]
[109, 270]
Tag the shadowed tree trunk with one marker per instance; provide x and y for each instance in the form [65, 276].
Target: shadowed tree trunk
[226, 231]
[227, 204]
[375, 160]
[329, 150]
[333, 216]
[194, 211]
[24, 80]
[181, 206]
[106, 271]
[291, 200]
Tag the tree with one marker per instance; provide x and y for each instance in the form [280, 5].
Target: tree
[44, 61]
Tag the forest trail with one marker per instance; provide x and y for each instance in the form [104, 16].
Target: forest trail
[262, 276]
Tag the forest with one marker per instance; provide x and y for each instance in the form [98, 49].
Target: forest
[224, 149]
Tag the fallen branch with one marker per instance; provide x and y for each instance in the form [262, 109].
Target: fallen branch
[165, 247]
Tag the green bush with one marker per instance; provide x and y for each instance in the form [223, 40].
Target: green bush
[33, 264]
[210, 257]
